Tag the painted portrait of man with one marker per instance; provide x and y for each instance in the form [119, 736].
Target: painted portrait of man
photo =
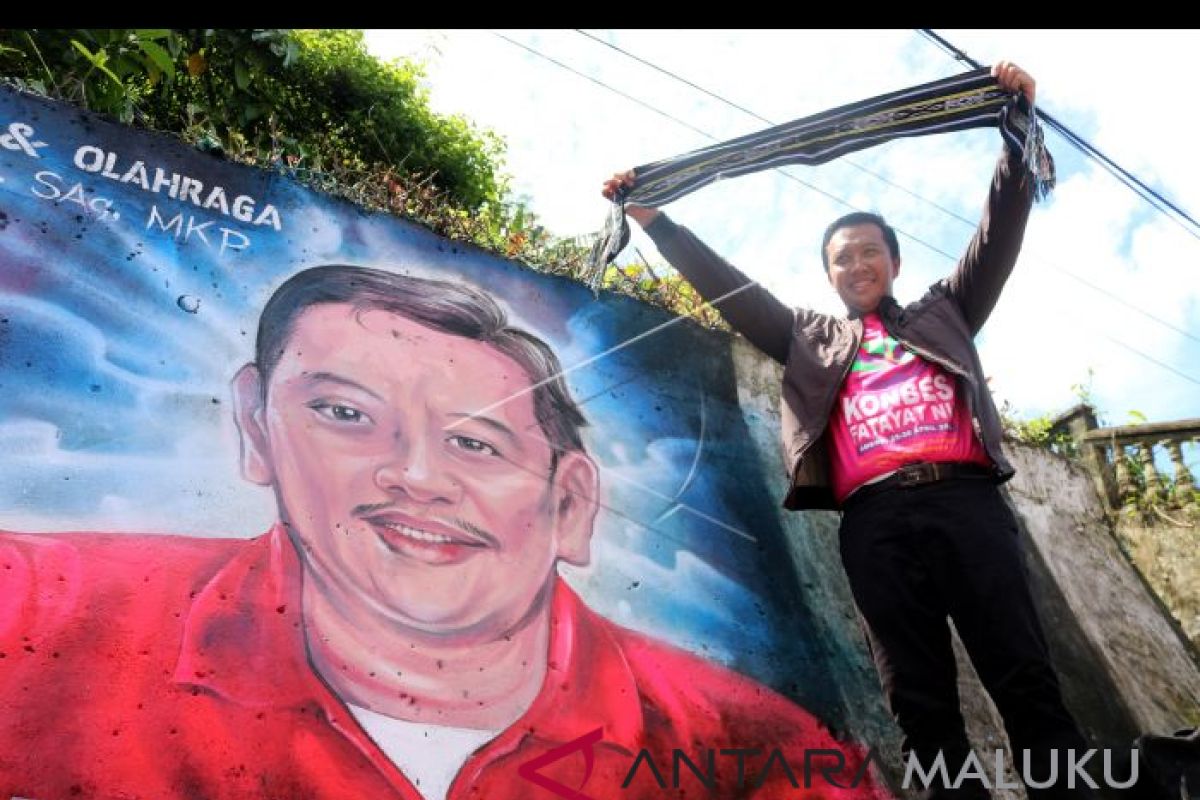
[402, 630]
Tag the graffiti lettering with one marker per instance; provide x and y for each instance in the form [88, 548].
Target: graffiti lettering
[17, 138]
[50, 186]
[184, 230]
[244, 208]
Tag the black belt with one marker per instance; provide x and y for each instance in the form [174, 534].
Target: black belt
[920, 474]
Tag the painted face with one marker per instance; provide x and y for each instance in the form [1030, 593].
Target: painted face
[861, 267]
[413, 472]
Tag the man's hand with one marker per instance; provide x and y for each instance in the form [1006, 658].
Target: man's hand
[640, 214]
[1014, 79]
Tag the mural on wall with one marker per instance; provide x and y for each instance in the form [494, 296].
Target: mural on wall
[313, 503]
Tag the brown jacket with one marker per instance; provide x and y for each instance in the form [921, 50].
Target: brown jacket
[817, 350]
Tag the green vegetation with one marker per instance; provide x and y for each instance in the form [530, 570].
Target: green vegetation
[318, 107]
[316, 98]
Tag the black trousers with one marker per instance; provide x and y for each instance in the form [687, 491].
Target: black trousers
[914, 557]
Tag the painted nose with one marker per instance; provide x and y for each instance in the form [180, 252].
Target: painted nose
[413, 469]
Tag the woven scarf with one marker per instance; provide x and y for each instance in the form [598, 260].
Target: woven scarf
[970, 100]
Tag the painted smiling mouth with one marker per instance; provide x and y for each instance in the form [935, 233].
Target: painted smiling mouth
[417, 534]
[414, 534]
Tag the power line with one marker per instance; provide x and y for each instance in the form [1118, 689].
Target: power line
[1151, 359]
[703, 133]
[764, 120]
[959, 217]
[1120, 173]
[599, 82]
[836, 199]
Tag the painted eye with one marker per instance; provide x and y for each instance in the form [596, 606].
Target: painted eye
[473, 445]
[339, 412]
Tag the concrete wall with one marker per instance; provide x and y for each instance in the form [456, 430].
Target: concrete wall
[133, 273]
[1120, 643]
[1166, 552]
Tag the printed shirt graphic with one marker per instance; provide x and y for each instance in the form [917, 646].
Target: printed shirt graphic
[896, 408]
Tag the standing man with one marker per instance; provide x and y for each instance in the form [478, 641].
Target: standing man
[887, 416]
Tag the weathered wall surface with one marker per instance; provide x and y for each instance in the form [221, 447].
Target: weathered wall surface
[1167, 552]
[1088, 586]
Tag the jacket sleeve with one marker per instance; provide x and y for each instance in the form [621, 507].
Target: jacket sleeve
[981, 273]
[749, 309]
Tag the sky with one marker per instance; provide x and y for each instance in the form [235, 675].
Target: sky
[1105, 299]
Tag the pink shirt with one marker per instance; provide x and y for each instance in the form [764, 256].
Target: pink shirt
[896, 408]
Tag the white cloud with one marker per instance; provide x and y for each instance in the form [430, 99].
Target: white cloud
[1118, 89]
[683, 602]
[201, 494]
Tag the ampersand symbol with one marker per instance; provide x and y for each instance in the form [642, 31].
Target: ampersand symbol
[17, 138]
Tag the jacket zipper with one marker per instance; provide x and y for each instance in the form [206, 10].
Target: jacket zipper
[858, 335]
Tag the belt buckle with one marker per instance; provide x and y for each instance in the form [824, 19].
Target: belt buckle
[916, 474]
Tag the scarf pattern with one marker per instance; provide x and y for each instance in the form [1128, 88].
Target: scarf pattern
[970, 100]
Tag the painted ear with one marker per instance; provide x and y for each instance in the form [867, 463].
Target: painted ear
[576, 501]
[249, 414]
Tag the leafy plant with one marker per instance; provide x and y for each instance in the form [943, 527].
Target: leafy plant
[264, 96]
[318, 107]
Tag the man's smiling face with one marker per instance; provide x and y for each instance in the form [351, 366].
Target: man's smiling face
[861, 266]
[412, 470]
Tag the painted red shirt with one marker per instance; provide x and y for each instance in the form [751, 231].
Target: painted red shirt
[168, 667]
[896, 408]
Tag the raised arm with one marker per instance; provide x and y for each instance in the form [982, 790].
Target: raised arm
[989, 259]
[749, 308]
